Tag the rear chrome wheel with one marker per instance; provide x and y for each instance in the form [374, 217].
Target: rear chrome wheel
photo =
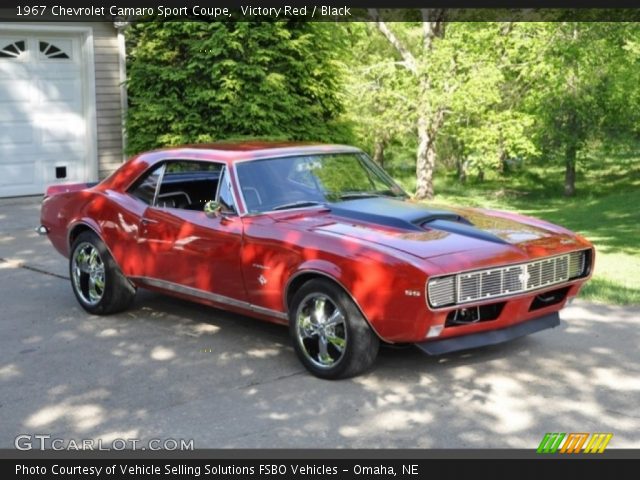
[331, 337]
[97, 282]
[87, 273]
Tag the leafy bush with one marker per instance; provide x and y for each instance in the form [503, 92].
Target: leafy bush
[192, 82]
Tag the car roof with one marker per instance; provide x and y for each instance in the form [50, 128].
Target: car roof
[224, 152]
[231, 152]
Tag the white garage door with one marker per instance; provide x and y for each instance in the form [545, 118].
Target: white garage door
[43, 126]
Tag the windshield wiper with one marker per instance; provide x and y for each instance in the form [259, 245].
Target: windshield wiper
[298, 204]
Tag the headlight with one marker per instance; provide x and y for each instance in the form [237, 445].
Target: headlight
[442, 291]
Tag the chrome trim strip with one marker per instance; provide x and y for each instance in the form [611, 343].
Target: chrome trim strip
[226, 173]
[213, 297]
[321, 150]
[236, 180]
[268, 311]
[163, 168]
[216, 195]
[271, 212]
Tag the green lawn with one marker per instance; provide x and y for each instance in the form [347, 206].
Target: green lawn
[606, 210]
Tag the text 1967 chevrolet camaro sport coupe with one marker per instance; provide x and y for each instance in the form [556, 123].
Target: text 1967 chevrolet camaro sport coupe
[316, 237]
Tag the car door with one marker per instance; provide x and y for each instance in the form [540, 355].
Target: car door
[183, 248]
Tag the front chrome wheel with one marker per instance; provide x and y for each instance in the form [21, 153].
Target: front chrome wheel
[87, 270]
[330, 335]
[321, 330]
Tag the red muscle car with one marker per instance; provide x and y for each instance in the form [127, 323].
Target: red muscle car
[316, 237]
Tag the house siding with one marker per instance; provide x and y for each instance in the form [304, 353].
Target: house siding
[109, 114]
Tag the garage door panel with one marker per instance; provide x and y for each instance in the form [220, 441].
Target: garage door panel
[18, 172]
[52, 134]
[14, 114]
[16, 133]
[16, 91]
[59, 90]
[14, 70]
[63, 128]
[56, 109]
[57, 72]
[58, 150]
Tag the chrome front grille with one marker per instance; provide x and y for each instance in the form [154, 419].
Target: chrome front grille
[467, 287]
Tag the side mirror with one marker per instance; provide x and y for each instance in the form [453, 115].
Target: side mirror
[212, 209]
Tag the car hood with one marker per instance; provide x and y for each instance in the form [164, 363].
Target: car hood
[426, 232]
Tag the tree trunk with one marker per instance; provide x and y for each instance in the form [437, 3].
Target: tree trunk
[570, 171]
[503, 168]
[433, 26]
[378, 151]
[461, 165]
[425, 161]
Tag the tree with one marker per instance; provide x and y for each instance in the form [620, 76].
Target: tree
[486, 125]
[585, 88]
[462, 103]
[194, 82]
[483, 93]
[431, 93]
[378, 95]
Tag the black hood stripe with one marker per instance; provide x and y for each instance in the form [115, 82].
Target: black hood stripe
[401, 214]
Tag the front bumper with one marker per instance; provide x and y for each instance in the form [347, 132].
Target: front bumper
[491, 337]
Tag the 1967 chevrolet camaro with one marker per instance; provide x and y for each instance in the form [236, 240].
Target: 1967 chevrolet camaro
[316, 237]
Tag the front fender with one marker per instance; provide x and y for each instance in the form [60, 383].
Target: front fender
[390, 294]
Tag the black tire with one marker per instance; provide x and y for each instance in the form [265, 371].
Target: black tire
[346, 329]
[99, 294]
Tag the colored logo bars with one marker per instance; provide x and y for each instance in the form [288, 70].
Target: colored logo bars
[573, 442]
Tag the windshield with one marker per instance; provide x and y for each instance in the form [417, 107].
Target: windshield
[300, 181]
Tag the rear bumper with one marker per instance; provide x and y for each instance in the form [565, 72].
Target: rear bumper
[492, 337]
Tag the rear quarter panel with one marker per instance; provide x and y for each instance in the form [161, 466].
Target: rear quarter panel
[58, 212]
[112, 215]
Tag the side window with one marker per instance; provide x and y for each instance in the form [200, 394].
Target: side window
[225, 197]
[145, 188]
[188, 184]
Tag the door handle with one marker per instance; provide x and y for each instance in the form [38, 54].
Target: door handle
[148, 221]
